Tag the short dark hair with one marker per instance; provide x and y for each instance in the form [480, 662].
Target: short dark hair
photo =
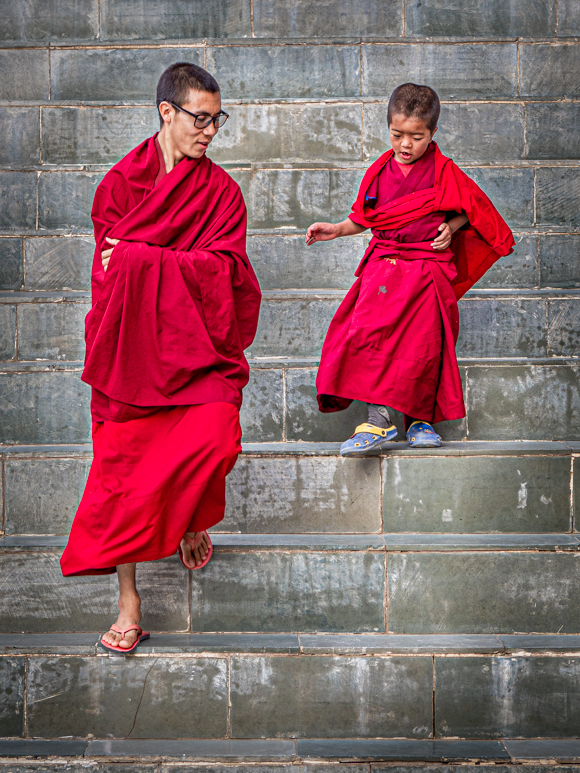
[415, 101]
[181, 78]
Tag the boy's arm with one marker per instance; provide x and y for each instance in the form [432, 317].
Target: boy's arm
[446, 231]
[324, 232]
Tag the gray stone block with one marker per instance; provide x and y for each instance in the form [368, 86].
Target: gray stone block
[564, 327]
[488, 494]
[576, 493]
[568, 18]
[262, 414]
[303, 494]
[69, 695]
[455, 72]
[562, 140]
[12, 697]
[498, 327]
[507, 697]
[58, 263]
[228, 750]
[259, 72]
[54, 21]
[48, 602]
[301, 19]
[174, 19]
[511, 191]
[44, 408]
[7, 332]
[51, 331]
[558, 196]
[525, 18]
[293, 328]
[25, 74]
[65, 199]
[42, 494]
[113, 75]
[289, 591]
[297, 198]
[560, 260]
[17, 200]
[549, 69]
[72, 135]
[381, 751]
[11, 264]
[20, 130]
[524, 403]
[285, 262]
[484, 592]
[322, 697]
[320, 132]
[520, 269]
[37, 748]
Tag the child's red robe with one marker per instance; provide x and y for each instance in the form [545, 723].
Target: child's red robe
[392, 340]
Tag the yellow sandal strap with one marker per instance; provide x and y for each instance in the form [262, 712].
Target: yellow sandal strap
[370, 428]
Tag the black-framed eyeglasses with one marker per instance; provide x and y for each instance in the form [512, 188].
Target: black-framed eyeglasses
[202, 121]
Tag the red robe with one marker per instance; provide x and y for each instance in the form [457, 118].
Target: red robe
[165, 339]
[392, 340]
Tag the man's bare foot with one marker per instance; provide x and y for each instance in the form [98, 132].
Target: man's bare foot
[129, 614]
[195, 557]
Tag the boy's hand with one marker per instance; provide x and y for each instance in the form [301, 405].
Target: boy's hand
[321, 232]
[444, 239]
[106, 254]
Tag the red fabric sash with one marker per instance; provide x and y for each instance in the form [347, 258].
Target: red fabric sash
[179, 302]
[476, 247]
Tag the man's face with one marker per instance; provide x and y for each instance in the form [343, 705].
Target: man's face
[186, 138]
[410, 138]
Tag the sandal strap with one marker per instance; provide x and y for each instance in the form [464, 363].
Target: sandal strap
[117, 629]
[194, 542]
[371, 429]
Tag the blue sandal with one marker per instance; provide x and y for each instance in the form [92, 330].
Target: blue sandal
[367, 438]
[422, 435]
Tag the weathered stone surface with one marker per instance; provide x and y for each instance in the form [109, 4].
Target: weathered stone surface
[7, 332]
[25, 74]
[304, 71]
[20, 130]
[507, 697]
[489, 494]
[511, 190]
[48, 602]
[55, 21]
[498, 327]
[67, 695]
[17, 200]
[560, 260]
[549, 70]
[44, 408]
[301, 19]
[576, 493]
[381, 750]
[285, 262]
[484, 592]
[65, 199]
[322, 697]
[270, 132]
[287, 591]
[562, 140]
[72, 135]
[303, 494]
[51, 331]
[11, 697]
[526, 18]
[520, 269]
[558, 196]
[477, 70]
[293, 328]
[226, 749]
[564, 327]
[524, 403]
[113, 75]
[568, 19]
[295, 198]
[174, 19]
[11, 264]
[262, 411]
[59, 263]
[42, 494]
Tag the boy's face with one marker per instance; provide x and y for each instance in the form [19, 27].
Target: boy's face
[410, 138]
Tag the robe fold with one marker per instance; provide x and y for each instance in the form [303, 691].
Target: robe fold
[165, 341]
[392, 340]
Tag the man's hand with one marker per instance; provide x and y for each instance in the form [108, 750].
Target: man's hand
[106, 254]
[444, 239]
[321, 232]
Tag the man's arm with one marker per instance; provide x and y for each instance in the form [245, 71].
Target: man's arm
[324, 232]
[447, 230]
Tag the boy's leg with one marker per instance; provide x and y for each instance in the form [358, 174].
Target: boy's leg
[379, 416]
[129, 607]
[371, 436]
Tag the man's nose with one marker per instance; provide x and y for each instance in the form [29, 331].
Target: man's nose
[210, 130]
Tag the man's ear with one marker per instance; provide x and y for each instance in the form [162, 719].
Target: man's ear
[165, 111]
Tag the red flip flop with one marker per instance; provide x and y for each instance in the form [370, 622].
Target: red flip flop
[141, 636]
[193, 543]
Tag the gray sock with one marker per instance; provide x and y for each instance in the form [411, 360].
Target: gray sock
[379, 415]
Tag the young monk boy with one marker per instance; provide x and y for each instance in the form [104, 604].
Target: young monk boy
[392, 341]
[175, 303]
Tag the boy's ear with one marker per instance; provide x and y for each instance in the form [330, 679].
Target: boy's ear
[434, 130]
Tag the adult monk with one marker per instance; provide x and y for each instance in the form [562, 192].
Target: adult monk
[175, 303]
[392, 342]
